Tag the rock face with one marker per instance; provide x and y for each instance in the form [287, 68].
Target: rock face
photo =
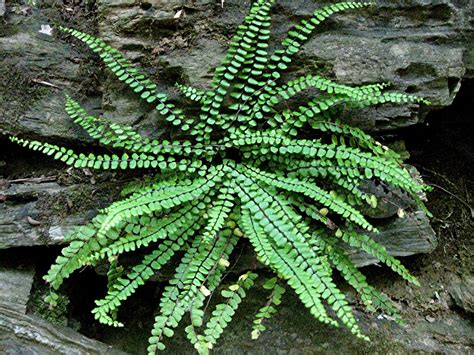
[422, 47]
[405, 236]
[27, 334]
[419, 46]
[462, 291]
[16, 286]
[26, 221]
[21, 333]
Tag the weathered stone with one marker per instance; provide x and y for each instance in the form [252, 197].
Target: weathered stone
[25, 203]
[389, 200]
[461, 290]
[2, 7]
[15, 286]
[405, 236]
[401, 236]
[431, 71]
[35, 69]
[28, 334]
[197, 62]
[418, 46]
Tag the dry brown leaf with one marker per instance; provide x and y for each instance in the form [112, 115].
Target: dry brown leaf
[32, 221]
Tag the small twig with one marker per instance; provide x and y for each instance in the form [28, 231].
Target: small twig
[435, 173]
[42, 82]
[469, 207]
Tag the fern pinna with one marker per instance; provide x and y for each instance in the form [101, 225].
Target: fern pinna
[286, 179]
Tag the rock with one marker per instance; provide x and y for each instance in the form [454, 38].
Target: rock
[36, 71]
[418, 46]
[430, 71]
[2, 8]
[28, 334]
[461, 290]
[16, 286]
[293, 330]
[29, 200]
[401, 236]
[389, 200]
[191, 61]
[405, 236]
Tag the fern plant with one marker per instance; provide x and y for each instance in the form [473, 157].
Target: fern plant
[285, 179]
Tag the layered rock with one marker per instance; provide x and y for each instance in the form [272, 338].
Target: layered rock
[421, 47]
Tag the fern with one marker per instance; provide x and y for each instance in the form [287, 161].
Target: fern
[288, 181]
[269, 309]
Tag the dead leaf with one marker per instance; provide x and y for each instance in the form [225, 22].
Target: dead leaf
[401, 213]
[32, 221]
[204, 291]
[69, 203]
[330, 224]
[179, 14]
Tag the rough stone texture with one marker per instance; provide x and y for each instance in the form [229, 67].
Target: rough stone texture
[2, 7]
[35, 71]
[15, 286]
[462, 291]
[401, 236]
[423, 47]
[405, 236]
[28, 334]
[419, 46]
[45, 227]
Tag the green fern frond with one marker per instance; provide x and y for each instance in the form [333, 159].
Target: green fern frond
[249, 167]
[267, 311]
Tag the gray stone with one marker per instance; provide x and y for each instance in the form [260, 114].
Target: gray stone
[24, 221]
[2, 7]
[15, 286]
[430, 71]
[405, 236]
[197, 63]
[461, 290]
[36, 69]
[28, 334]
[418, 46]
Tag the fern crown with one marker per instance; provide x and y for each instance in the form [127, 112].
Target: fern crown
[250, 167]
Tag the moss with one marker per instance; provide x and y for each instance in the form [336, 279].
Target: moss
[37, 305]
[18, 92]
